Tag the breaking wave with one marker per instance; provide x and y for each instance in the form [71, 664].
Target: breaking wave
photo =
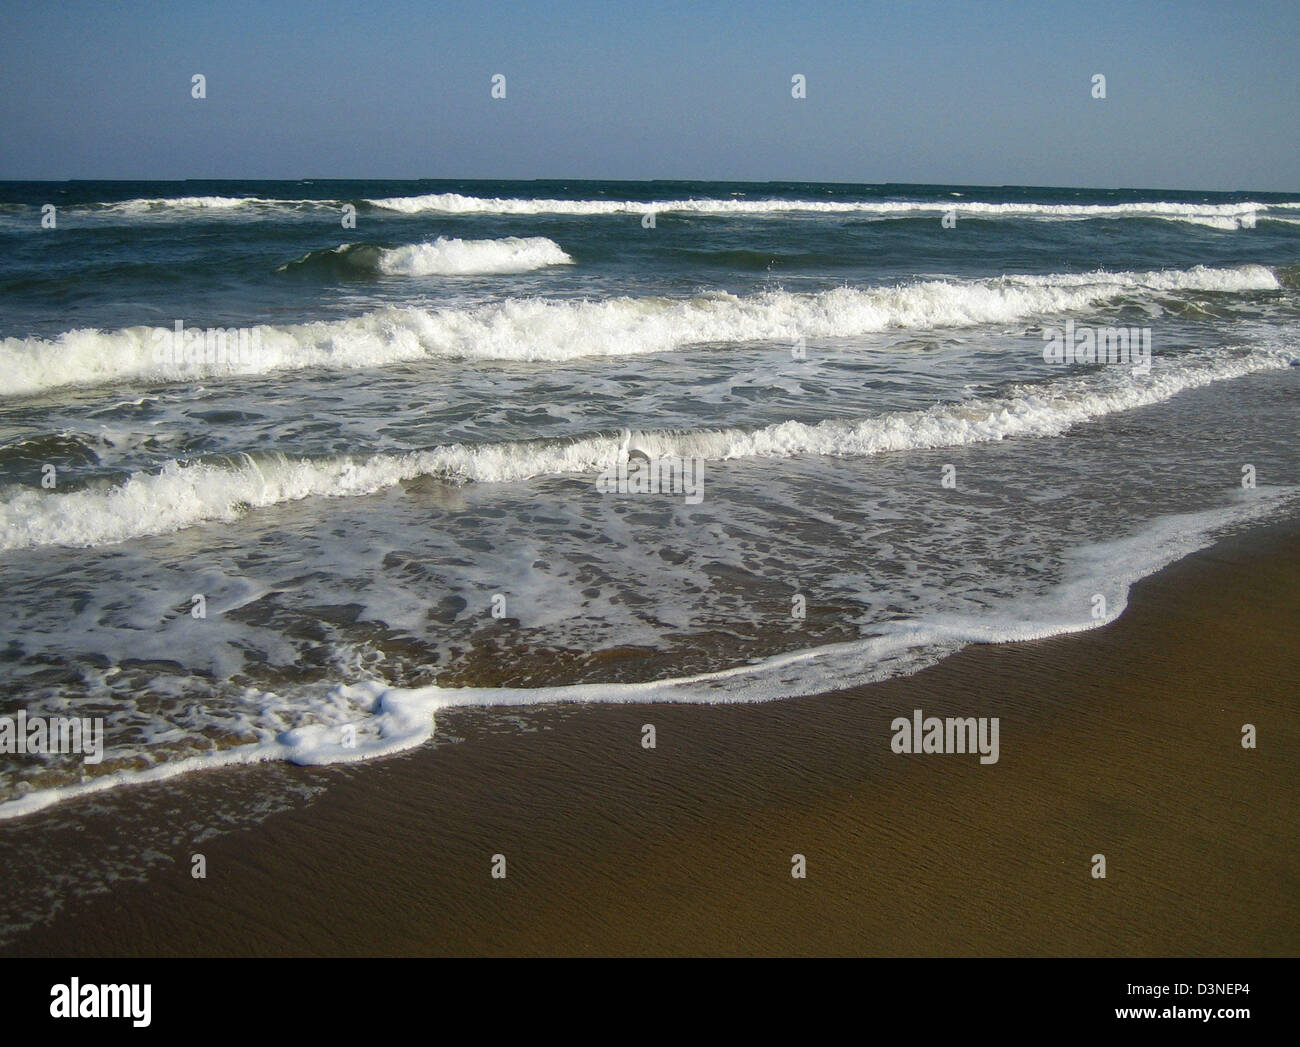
[544, 329]
[184, 494]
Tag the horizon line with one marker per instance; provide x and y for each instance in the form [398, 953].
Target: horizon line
[652, 181]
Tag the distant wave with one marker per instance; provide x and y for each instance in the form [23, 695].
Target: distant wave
[179, 206]
[542, 329]
[184, 494]
[441, 257]
[181, 203]
[1217, 216]
[1213, 221]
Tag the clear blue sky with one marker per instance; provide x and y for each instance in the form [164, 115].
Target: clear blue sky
[1201, 95]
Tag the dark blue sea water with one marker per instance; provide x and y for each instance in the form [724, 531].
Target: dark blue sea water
[373, 455]
[131, 252]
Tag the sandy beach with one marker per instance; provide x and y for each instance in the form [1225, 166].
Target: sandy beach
[1124, 741]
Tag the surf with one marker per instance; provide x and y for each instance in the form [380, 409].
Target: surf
[541, 330]
[224, 488]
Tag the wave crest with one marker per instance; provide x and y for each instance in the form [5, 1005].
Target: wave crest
[440, 257]
[184, 494]
[1216, 216]
[541, 329]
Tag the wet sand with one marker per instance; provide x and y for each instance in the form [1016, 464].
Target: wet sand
[1125, 741]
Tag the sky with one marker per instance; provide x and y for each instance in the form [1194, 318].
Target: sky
[1199, 95]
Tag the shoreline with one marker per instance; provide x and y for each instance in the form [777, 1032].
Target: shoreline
[1124, 740]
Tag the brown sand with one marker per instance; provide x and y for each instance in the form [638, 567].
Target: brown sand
[1124, 741]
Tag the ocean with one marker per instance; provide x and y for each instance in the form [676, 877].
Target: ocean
[286, 468]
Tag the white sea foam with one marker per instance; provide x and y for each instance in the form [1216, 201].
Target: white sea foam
[355, 722]
[448, 257]
[538, 329]
[1219, 216]
[1213, 221]
[360, 721]
[444, 257]
[182, 207]
[182, 495]
[159, 205]
[1225, 216]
